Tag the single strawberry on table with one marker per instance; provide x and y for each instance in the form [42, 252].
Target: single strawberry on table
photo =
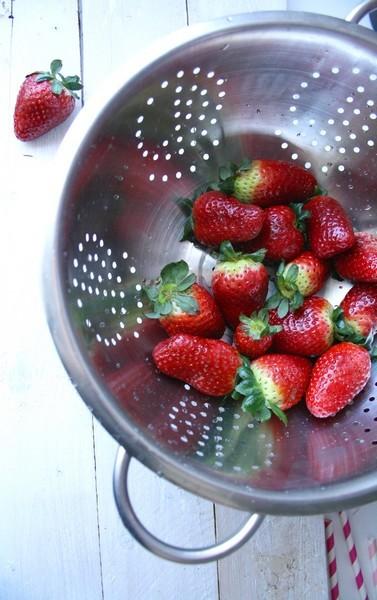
[210, 366]
[337, 377]
[266, 182]
[253, 335]
[282, 233]
[356, 316]
[44, 100]
[272, 383]
[360, 262]
[181, 305]
[215, 217]
[300, 278]
[239, 282]
[309, 331]
[329, 228]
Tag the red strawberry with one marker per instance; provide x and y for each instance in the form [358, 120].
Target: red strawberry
[239, 283]
[337, 377]
[215, 217]
[183, 306]
[356, 321]
[309, 331]
[359, 263]
[210, 366]
[267, 182]
[253, 335]
[44, 101]
[302, 277]
[281, 233]
[273, 382]
[329, 229]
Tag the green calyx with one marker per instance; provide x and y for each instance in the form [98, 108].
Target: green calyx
[344, 331]
[254, 401]
[58, 82]
[228, 254]
[287, 298]
[301, 215]
[228, 174]
[257, 326]
[170, 293]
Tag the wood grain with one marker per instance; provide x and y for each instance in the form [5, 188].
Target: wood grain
[285, 560]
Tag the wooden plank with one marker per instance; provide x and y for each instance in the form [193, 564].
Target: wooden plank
[170, 512]
[284, 560]
[48, 526]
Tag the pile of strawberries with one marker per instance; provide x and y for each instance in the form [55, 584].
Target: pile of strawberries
[293, 344]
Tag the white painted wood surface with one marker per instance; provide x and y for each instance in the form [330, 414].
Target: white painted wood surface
[60, 535]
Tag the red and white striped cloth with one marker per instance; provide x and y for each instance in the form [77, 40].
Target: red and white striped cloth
[331, 560]
[352, 553]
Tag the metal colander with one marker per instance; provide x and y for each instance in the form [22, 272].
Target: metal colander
[290, 86]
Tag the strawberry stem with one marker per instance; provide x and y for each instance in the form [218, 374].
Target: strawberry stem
[227, 253]
[171, 291]
[58, 82]
[253, 399]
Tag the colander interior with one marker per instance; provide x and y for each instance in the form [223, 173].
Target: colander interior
[302, 93]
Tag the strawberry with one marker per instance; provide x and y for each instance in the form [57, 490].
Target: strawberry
[181, 305]
[329, 229]
[266, 182]
[337, 377]
[281, 233]
[309, 331]
[253, 335]
[272, 383]
[239, 282]
[210, 366]
[359, 263]
[302, 277]
[216, 217]
[44, 100]
[356, 317]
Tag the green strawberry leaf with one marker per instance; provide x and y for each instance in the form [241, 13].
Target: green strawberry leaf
[225, 172]
[279, 413]
[152, 315]
[245, 388]
[226, 186]
[56, 87]
[175, 272]
[43, 77]
[186, 303]
[186, 283]
[274, 301]
[291, 273]
[56, 66]
[283, 308]
[163, 308]
[185, 204]
[151, 291]
[297, 301]
[188, 230]
[244, 165]
[264, 414]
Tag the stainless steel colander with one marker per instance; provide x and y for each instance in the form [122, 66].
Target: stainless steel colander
[291, 86]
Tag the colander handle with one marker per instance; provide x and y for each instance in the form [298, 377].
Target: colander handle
[150, 542]
[361, 10]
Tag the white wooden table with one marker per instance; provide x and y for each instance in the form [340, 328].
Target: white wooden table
[60, 535]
